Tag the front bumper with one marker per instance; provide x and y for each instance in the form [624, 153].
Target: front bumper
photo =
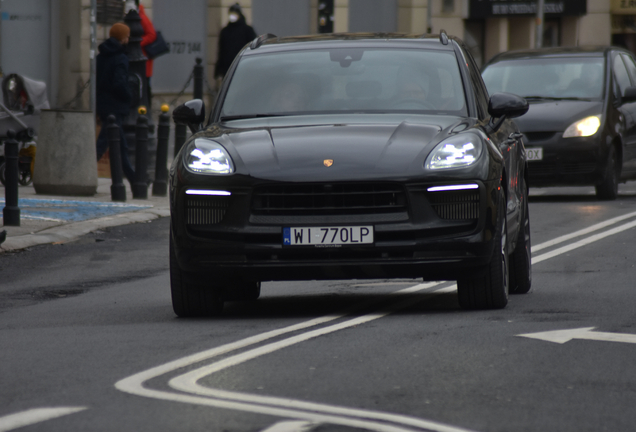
[578, 161]
[426, 235]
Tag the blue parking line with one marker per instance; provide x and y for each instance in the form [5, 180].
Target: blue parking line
[70, 211]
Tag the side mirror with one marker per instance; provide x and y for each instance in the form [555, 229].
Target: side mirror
[629, 95]
[505, 105]
[191, 113]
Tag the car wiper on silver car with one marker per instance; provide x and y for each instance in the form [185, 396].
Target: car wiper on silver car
[531, 98]
[250, 116]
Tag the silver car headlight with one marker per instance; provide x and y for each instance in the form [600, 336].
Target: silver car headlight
[455, 152]
[208, 157]
[583, 128]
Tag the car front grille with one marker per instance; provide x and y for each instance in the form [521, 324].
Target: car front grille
[206, 210]
[539, 136]
[336, 199]
[455, 205]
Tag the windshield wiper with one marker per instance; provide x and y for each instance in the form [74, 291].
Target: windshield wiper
[250, 116]
[556, 98]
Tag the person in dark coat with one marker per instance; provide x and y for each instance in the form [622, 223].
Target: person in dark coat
[232, 39]
[113, 95]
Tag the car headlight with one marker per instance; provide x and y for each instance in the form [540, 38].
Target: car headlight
[455, 152]
[583, 128]
[208, 157]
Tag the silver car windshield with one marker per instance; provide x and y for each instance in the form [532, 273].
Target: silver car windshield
[345, 80]
[551, 78]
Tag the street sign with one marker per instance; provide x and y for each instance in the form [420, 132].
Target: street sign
[586, 333]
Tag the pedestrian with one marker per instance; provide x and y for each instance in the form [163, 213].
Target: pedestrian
[232, 39]
[150, 35]
[113, 92]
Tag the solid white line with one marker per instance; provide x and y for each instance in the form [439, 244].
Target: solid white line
[291, 426]
[583, 242]
[579, 233]
[33, 416]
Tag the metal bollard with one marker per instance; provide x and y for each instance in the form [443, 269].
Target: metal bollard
[197, 92]
[11, 211]
[117, 188]
[180, 135]
[160, 186]
[140, 185]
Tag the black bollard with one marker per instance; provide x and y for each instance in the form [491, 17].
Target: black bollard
[11, 211]
[160, 185]
[180, 135]
[197, 92]
[117, 188]
[140, 186]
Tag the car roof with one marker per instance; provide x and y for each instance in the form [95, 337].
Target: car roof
[591, 51]
[333, 40]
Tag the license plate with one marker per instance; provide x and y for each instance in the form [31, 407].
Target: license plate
[327, 236]
[534, 153]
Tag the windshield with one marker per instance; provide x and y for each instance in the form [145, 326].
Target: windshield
[345, 80]
[557, 77]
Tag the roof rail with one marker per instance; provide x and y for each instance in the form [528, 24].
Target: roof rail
[262, 38]
[443, 37]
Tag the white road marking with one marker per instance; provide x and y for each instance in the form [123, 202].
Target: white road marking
[308, 411]
[583, 242]
[291, 426]
[582, 232]
[563, 336]
[33, 416]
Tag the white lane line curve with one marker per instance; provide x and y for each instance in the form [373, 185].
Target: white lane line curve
[134, 384]
[33, 416]
[290, 426]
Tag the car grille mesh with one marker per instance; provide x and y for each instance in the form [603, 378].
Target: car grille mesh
[204, 210]
[329, 199]
[455, 205]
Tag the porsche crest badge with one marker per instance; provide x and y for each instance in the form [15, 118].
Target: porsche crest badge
[328, 162]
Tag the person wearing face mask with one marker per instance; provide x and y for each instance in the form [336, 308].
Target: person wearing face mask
[113, 95]
[232, 39]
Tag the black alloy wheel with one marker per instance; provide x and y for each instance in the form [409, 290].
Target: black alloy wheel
[608, 189]
[521, 257]
[490, 291]
[191, 297]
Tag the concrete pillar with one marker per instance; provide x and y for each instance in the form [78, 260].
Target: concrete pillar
[65, 157]
[411, 16]
[521, 33]
[341, 16]
[496, 37]
[595, 28]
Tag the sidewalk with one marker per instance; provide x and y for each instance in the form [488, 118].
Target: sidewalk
[46, 219]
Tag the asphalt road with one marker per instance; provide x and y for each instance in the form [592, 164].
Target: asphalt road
[89, 341]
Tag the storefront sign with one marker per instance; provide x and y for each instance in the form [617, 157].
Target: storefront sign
[623, 7]
[507, 8]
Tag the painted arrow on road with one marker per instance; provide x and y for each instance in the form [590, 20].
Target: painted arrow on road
[563, 336]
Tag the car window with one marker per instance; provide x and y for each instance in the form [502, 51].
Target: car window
[547, 77]
[620, 73]
[631, 67]
[481, 92]
[346, 80]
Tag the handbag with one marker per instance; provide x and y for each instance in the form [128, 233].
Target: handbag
[157, 48]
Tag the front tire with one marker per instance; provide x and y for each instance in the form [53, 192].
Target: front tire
[608, 189]
[490, 291]
[191, 297]
[521, 258]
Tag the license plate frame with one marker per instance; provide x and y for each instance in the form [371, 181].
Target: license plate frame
[534, 153]
[328, 236]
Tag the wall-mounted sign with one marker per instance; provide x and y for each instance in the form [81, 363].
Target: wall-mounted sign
[623, 7]
[507, 8]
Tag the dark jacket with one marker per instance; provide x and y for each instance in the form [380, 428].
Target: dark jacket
[233, 38]
[112, 90]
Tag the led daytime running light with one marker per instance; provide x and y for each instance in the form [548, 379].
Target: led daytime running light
[208, 192]
[452, 187]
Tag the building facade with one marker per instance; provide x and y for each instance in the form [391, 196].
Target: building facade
[50, 40]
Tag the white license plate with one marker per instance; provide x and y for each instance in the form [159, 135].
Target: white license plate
[327, 236]
[534, 153]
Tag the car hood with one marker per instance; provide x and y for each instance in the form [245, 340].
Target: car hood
[315, 151]
[556, 116]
